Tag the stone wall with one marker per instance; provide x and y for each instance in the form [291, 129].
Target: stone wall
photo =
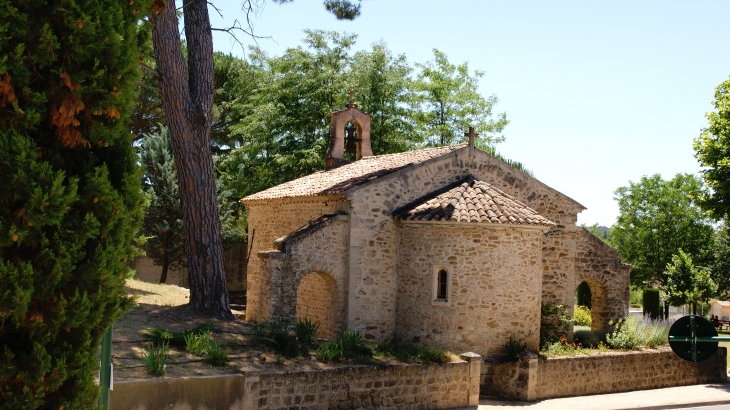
[536, 379]
[321, 249]
[493, 289]
[449, 385]
[267, 221]
[600, 266]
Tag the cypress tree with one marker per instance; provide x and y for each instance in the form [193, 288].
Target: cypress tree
[69, 192]
[163, 220]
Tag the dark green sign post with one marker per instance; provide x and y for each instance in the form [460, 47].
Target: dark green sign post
[694, 338]
[105, 374]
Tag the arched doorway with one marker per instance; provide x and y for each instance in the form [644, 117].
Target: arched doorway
[317, 301]
[592, 294]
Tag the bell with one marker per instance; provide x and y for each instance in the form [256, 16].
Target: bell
[351, 140]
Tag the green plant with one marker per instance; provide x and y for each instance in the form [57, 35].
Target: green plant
[633, 332]
[354, 346]
[589, 338]
[305, 331]
[652, 308]
[197, 344]
[513, 348]
[636, 297]
[276, 335]
[70, 194]
[158, 335]
[330, 352]
[156, 358]
[217, 354]
[554, 323]
[410, 353]
[582, 316]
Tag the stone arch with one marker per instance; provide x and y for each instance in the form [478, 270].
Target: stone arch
[317, 300]
[599, 304]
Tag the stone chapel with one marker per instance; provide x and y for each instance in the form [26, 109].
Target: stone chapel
[446, 247]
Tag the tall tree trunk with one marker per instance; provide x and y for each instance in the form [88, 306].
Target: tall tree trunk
[165, 267]
[187, 96]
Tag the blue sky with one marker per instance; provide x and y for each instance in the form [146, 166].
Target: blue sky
[597, 93]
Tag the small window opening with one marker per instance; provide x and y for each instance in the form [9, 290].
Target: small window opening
[443, 279]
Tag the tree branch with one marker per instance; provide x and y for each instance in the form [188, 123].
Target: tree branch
[149, 87]
[150, 69]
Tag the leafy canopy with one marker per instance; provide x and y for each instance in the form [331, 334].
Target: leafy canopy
[686, 283]
[656, 219]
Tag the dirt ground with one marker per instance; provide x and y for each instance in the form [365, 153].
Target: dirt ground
[165, 306]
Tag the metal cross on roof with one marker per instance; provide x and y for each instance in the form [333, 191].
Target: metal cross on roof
[472, 136]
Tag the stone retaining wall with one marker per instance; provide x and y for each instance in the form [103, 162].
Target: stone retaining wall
[443, 386]
[531, 378]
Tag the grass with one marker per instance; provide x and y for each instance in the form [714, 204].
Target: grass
[157, 294]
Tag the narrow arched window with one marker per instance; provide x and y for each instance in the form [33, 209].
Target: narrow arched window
[442, 285]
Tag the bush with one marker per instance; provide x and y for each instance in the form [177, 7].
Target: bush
[354, 346]
[554, 323]
[589, 338]
[70, 196]
[330, 352]
[156, 358]
[652, 307]
[632, 332]
[197, 344]
[305, 330]
[156, 335]
[513, 348]
[278, 335]
[217, 354]
[582, 316]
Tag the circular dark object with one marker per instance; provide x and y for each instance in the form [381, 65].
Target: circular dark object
[693, 326]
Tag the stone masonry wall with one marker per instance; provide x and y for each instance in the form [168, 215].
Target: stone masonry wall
[532, 379]
[625, 371]
[317, 301]
[600, 266]
[493, 292]
[323, 252]
[374, 237]
[443, 386]
[268, 221]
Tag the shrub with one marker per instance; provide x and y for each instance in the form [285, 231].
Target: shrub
[632, 332]
[70, 197]
[330, 352]
[275, 334]
[513, 348]
[156, 335]
[156, 358]
[197, 344]
[217, 354]
[651, 305]
[354, 346]
[589, 338]
[582, 316]
[305, 330]
[410, 353]
[554, 323]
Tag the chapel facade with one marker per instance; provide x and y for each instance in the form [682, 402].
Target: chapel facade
[446, 247]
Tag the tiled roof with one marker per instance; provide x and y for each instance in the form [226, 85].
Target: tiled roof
[340, 179]
[470, 200]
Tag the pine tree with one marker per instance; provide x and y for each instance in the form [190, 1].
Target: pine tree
[69, 192]
[163, 220]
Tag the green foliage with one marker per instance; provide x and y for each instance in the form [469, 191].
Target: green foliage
[331, 352]
[217, 354]
[447, 103]
[354, 345]
[305, 331]
[563, 348]
[157, 336]
[581, 316]
[656, 219]
[277, 334]
[410, 353]
[70, 199]
[720, 270]
[589, 338]
[651, 305]
[583, 295]
[601, 232]
[163, 220]
[713, 151]
[686, 283]
[155, 358]
[513, 348]
[636, 297]
[554, 323]
[197, 344]
[633, 332]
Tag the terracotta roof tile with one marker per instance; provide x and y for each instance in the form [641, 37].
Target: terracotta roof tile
[340, 179]
[471, 200]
